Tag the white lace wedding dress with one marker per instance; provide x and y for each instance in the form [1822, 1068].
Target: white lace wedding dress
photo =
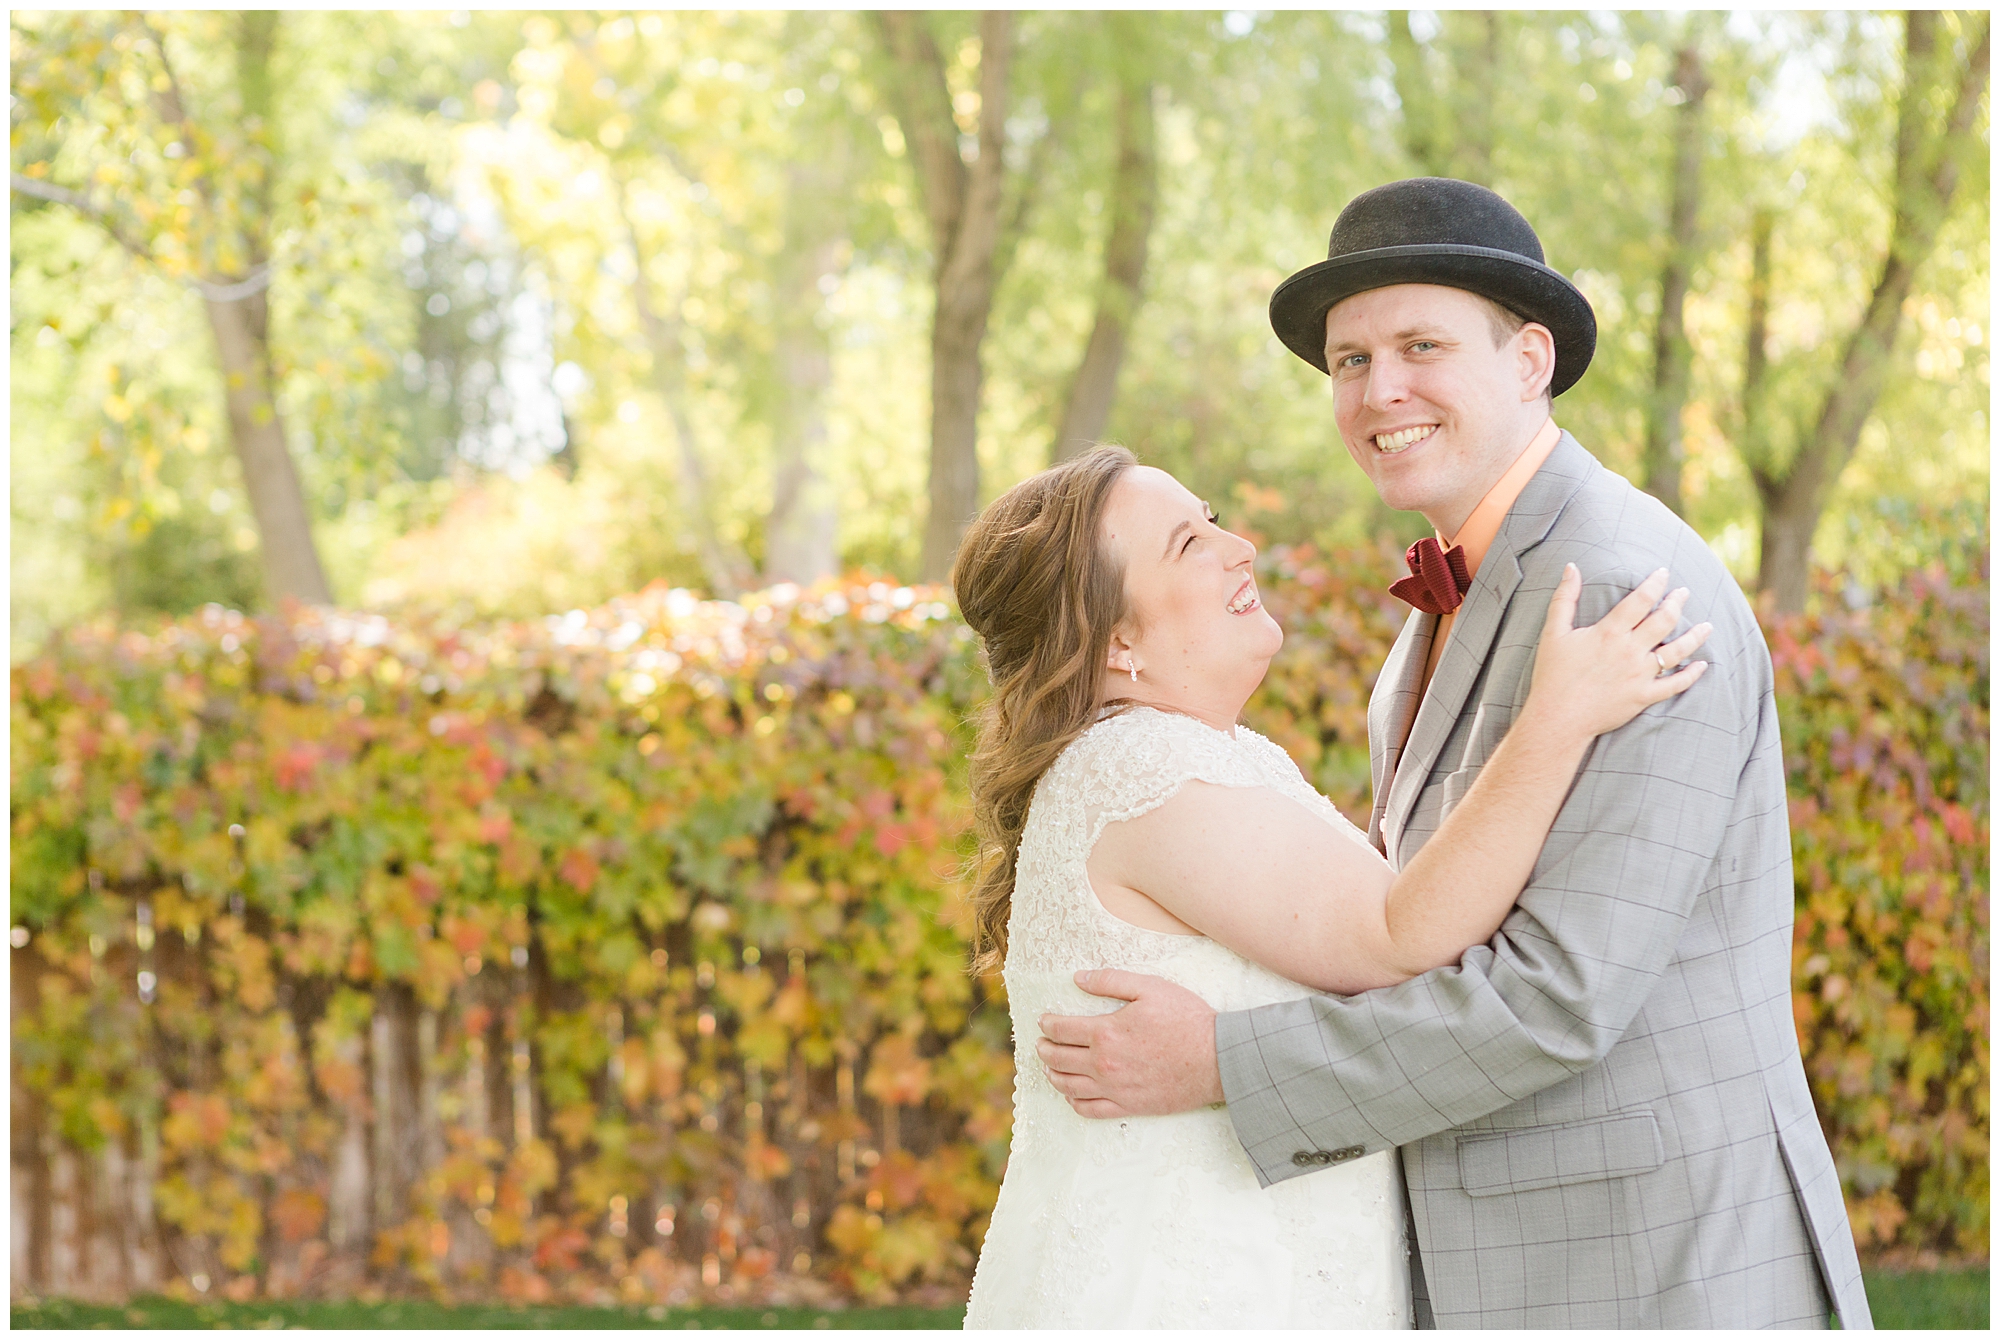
[1159, 1221]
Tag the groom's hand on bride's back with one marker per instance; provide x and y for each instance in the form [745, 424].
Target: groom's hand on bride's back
[1154, 1055]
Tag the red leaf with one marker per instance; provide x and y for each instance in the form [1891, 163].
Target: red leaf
[295, 767]
[579, 870]
[891, 838]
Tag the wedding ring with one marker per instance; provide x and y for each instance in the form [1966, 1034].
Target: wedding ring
[1661, 662]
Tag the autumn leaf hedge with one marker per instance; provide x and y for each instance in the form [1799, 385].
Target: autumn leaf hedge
[1885, 715]
[621, 955]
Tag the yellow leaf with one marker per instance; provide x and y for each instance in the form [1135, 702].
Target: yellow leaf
[533, 1167]
[505, 1229]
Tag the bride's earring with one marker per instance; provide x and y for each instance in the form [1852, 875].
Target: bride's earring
[1133, 666]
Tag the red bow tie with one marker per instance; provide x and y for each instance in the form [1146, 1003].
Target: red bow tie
[1438, 578]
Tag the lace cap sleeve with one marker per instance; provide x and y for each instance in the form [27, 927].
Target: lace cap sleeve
[1132, 763]
[1286, 779]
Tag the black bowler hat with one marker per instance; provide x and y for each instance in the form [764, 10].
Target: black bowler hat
[1435, 230]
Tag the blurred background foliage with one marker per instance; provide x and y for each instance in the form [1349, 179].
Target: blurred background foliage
[535, 308]
[459, 942]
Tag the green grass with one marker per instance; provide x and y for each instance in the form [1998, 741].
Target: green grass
[1915, 1301]
[166, 1314]
[1930, 1300]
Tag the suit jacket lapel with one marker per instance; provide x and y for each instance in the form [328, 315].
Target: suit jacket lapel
[1527, 523]
[1391, 707]
[1458, 668]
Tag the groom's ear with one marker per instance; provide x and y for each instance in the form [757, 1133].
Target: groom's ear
[1535, 350]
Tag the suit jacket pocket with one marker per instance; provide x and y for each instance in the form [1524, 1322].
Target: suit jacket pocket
[1489, 728]
[1505, 1162]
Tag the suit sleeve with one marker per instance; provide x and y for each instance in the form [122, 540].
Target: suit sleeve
[1559, 982]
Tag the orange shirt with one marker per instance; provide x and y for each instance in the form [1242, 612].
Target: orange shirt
[1479, 530]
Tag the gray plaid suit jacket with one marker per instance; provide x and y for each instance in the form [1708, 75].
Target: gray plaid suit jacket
[1603, 1117]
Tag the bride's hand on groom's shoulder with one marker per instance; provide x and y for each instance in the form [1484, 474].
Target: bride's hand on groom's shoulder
[1594, 679]
[1153, 1056]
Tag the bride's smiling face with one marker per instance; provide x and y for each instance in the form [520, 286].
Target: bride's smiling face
[1195, 626]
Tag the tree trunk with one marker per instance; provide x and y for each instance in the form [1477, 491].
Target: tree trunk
[1478, 97]
[1449, 130]
[240, 321]
[153, 1267]
[569, 456]
[29, 1143]
[1752, 437]
[284, 527]
[1927, 171]
[1672, 356]
[497, 1072]
[64, 1256]
[958, 328]
[965, 283]
[256, 40]
[431, 1145]
[726, 569]
[1134, 195]
[1784, 558]
[236, 294]
[799, 537]
[1778, 536]
[964, 210]
[1418, 93]
[399, 1124]
[349, 1196]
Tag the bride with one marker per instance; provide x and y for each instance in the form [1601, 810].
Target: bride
[1127, 821]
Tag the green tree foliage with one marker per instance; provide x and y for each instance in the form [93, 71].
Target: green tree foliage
[160, 230]
[182, 172]
[730, 158]
[1271, 119]
[734, 373]
[1874, 166]
[1134, 200]
[1945, 77]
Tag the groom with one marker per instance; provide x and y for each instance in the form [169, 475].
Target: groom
[1602, 1113]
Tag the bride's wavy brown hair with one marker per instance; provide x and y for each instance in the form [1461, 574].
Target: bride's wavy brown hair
[1036, 582]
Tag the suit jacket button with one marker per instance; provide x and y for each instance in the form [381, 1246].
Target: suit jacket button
[1302, 1159]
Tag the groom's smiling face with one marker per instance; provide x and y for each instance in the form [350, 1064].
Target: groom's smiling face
[1433, 399]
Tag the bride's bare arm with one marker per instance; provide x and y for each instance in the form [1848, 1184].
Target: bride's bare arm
[1276, 883]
